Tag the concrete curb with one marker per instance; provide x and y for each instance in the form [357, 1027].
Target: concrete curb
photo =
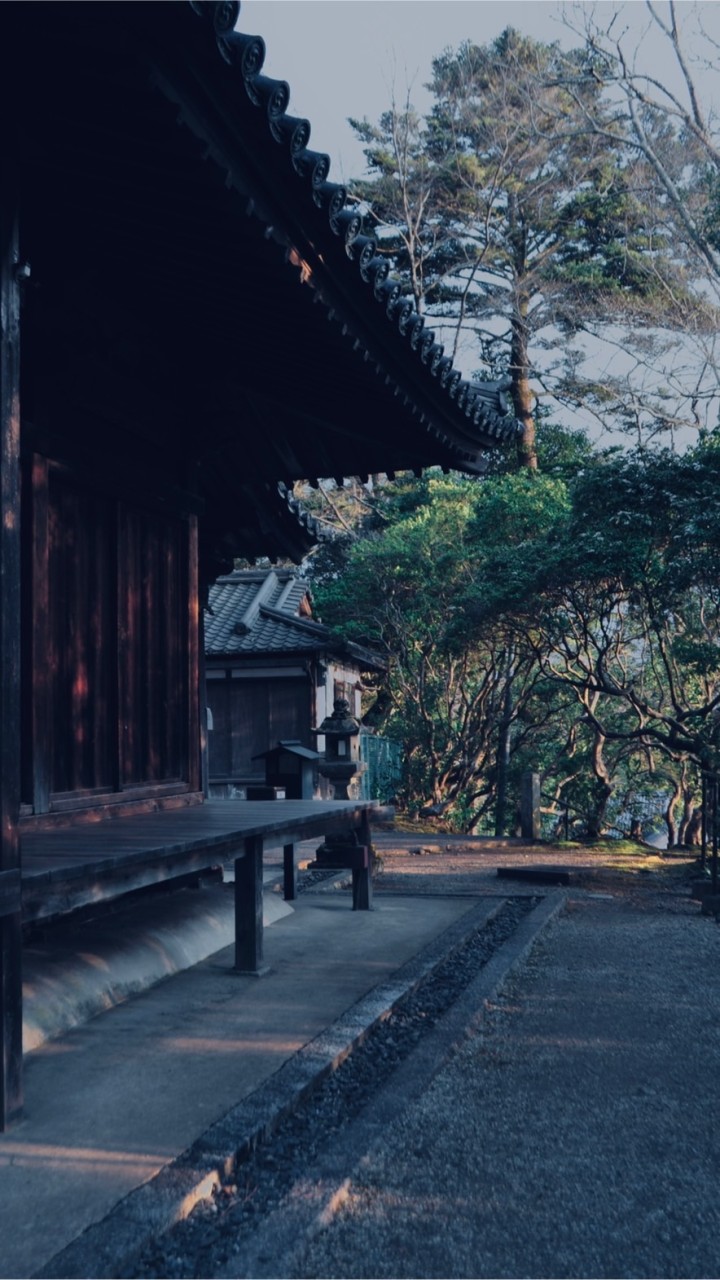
[271, 1250]
[106, 1249]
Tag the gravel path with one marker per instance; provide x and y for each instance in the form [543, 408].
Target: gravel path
[576, 1135]
[570, 1133]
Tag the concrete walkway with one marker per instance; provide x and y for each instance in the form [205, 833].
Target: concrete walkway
[113, 1102]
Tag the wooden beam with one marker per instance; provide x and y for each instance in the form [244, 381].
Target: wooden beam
[11, 1095]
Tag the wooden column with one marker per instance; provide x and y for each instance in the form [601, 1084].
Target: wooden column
[249, 908]
[362, 896]
[11, 1097]
[289, 873]
[40, 641]
[203, 697]
[362, 890]
[196, 716]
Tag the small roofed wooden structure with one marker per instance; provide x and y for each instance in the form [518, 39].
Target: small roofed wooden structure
[190, 320]
[272, 672]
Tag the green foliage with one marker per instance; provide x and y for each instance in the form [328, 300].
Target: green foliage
[624, 601]
[531, 621]
[452, 688]
[563, 452]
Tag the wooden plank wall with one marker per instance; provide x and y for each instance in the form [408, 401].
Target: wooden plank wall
[112, 697]
[11, 1096]
[252, 715]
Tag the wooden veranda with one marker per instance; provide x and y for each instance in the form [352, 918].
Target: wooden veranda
[83, 863]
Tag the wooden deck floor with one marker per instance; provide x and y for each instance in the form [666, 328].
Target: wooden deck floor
[76, 865]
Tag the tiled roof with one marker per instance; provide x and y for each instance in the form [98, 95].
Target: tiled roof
[257, 612]
[478, 410]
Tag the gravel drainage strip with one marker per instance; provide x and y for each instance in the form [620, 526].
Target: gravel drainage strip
[223, 1194]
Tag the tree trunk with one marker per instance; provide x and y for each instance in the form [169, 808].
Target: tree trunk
[503, 756]
[669, 816]
[604, 789]
[688, 813]
[522, 395]
[692, 834]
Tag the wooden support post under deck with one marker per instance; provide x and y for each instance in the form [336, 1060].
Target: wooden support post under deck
[249, 908]
[289, 873]
[362, 892]
[362, 888]
[11, 1094]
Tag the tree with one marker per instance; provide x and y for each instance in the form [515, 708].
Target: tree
[510, 229]
[663, 120]
[619, 601]
[668, 136]
[459, 698]
[528, 621]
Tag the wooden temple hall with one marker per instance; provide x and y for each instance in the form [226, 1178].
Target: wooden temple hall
[190, 320]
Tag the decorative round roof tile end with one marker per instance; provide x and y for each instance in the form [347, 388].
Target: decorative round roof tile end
[293, 131]
[435, 357]
[221, 15]
[402, 313]
[247, 53]
[331, 197]
[427, 342]
[365, 255]
[347, 223]
[388, 292]
[415, 330]
[272, 95]
[378, 272]
[314, 165]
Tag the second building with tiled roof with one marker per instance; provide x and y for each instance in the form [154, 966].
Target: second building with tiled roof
[272, 674]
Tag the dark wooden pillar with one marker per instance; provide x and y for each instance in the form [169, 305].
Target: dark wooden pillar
[196, 684]
[249, 908]
[11, 1096]
[203, 698]
[362, 896]
[289, 873]
[362, 889]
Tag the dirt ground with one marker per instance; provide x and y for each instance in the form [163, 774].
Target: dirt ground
[438, 863]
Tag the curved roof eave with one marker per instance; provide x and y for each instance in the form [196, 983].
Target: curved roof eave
[244, 119]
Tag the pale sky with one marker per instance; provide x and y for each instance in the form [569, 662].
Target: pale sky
[344, 57]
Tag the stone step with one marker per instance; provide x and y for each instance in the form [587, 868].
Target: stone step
[537, 874]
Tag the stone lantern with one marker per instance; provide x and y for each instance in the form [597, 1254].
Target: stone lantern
[340, 763]
[341, 760]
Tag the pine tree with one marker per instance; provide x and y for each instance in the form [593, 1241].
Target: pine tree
[510, 220]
